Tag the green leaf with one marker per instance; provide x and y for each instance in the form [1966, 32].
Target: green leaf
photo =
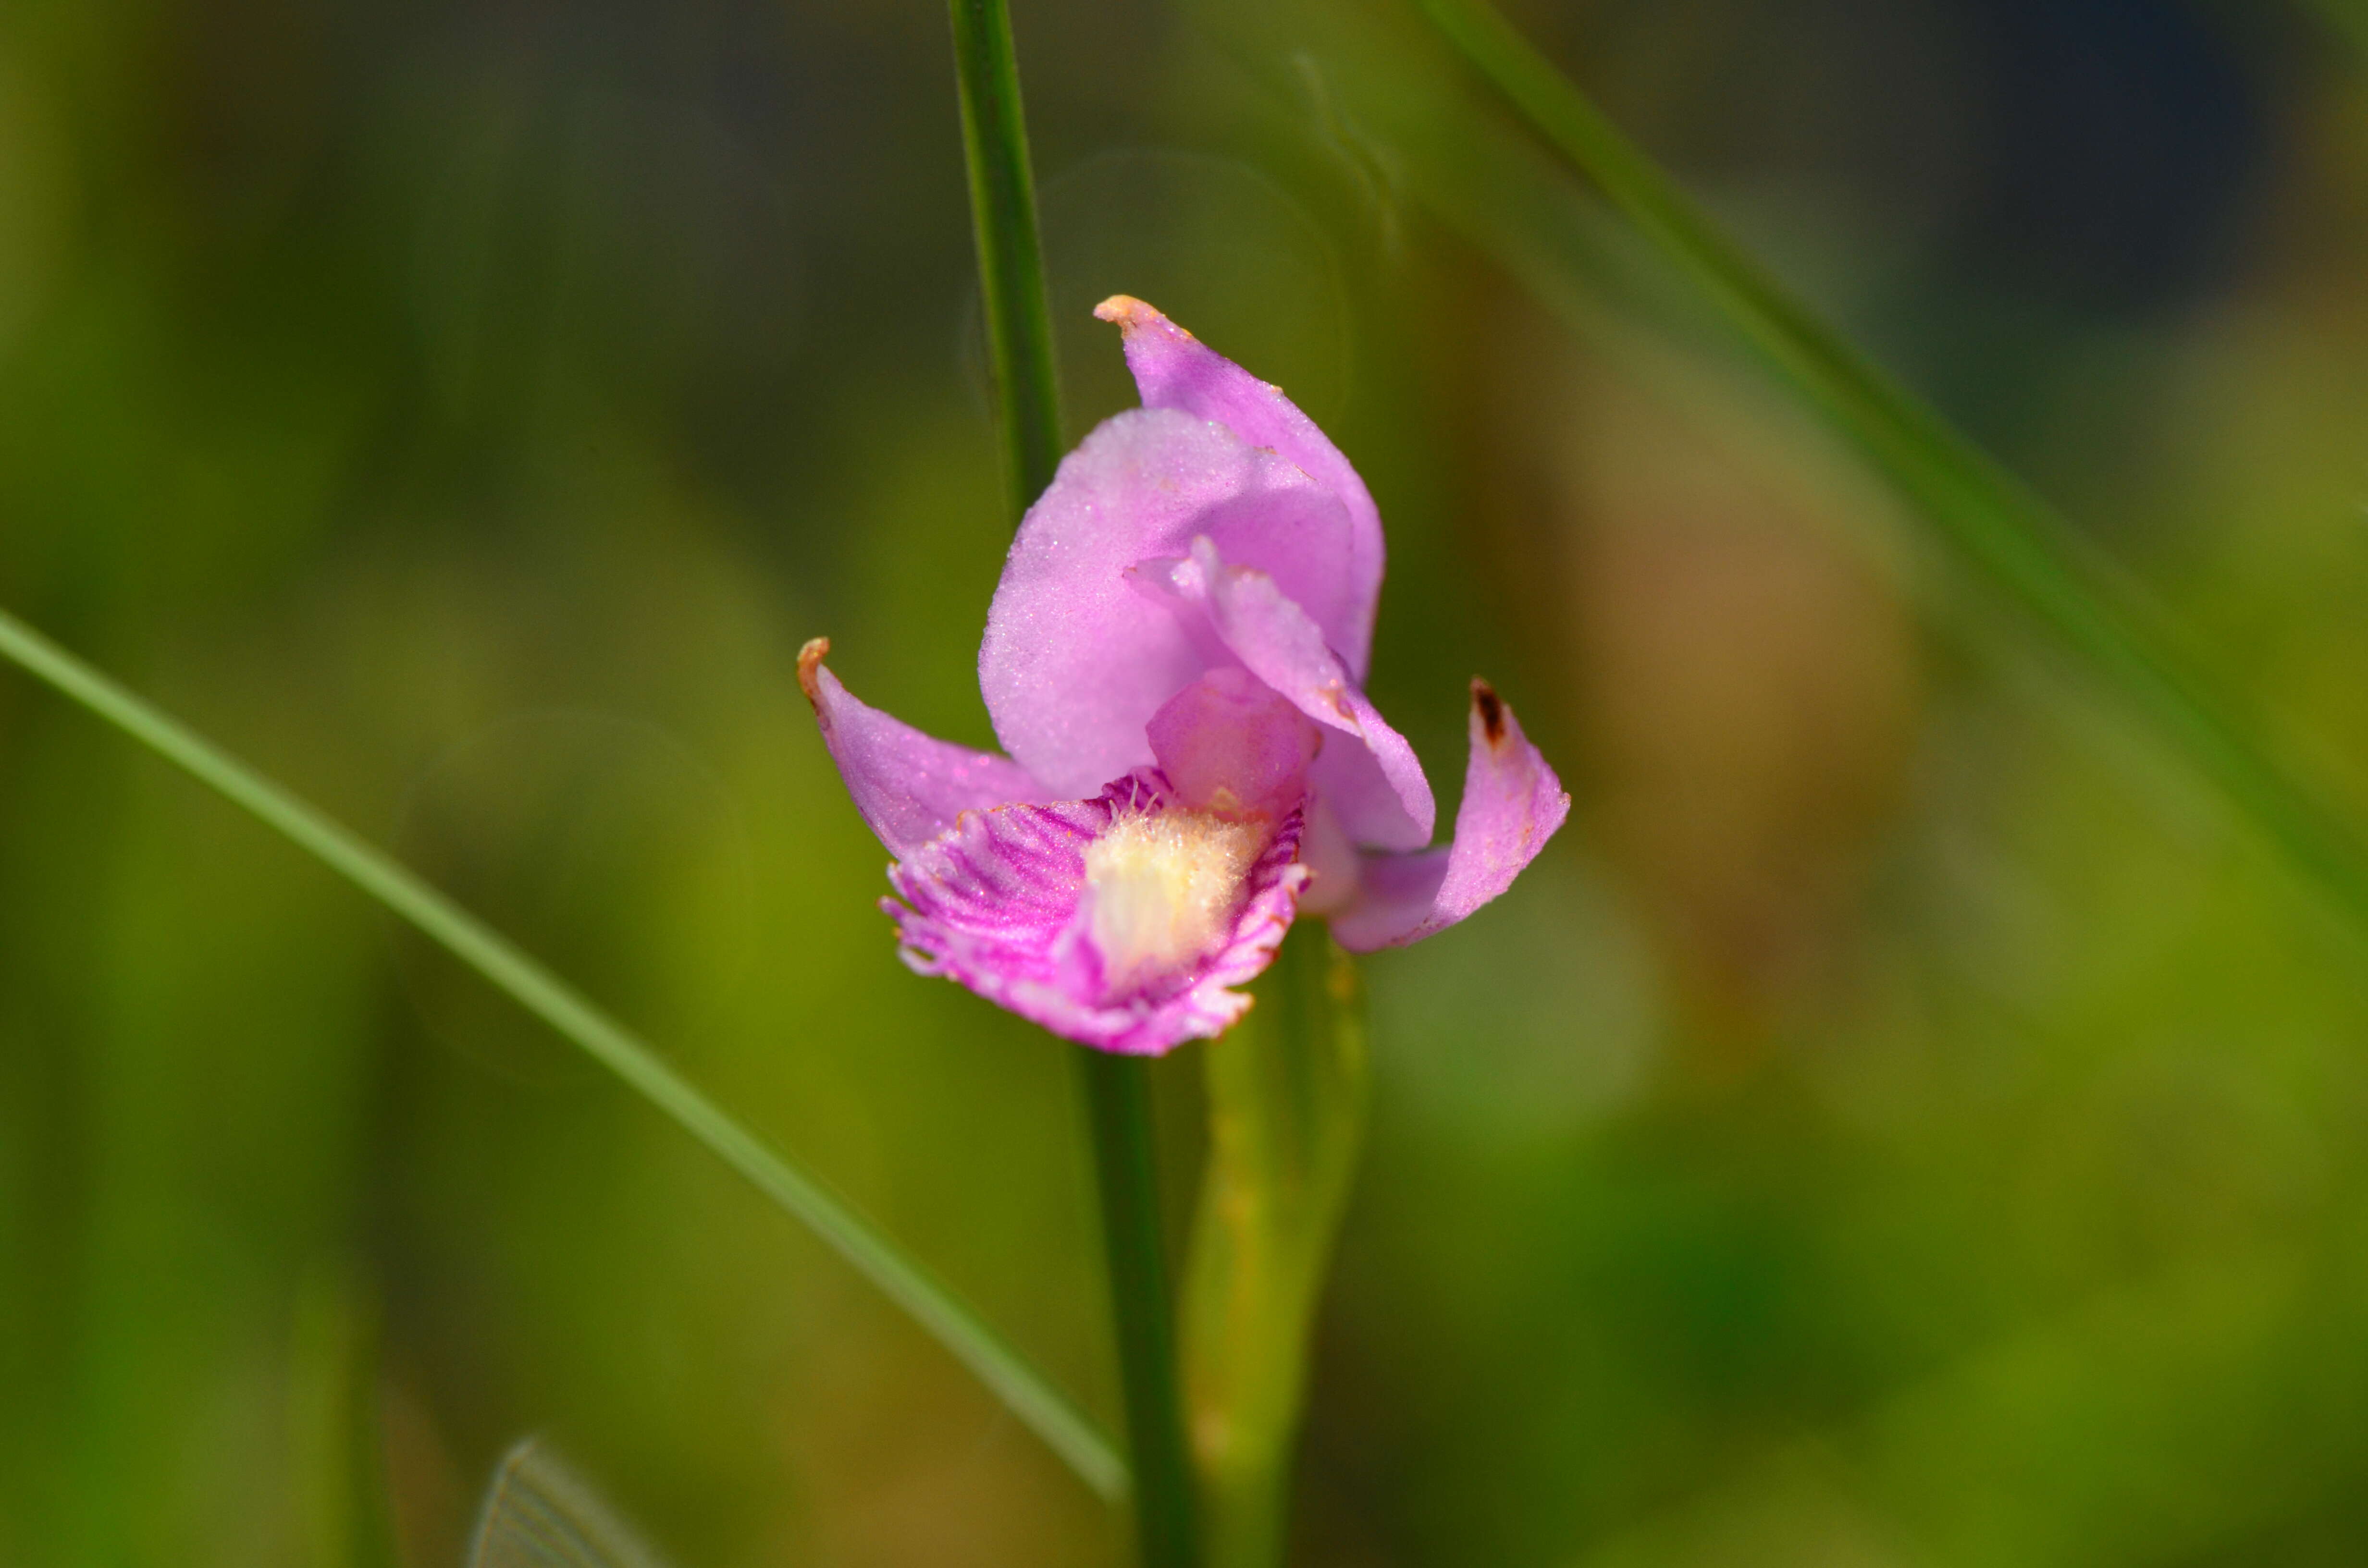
[1988, 518]
[1031, 1395]
[1287, 1098]
[539, 1514]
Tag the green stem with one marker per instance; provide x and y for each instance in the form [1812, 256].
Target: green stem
[1010, 258]
[334, 1431]
[1118, 1107]
[1031, 1395]
[2007, 533]
[1287, 1099]
[1020, 343]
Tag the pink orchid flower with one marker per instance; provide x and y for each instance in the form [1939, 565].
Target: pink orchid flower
[1173, 661]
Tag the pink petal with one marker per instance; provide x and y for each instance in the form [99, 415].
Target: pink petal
[1512, 804]
[1075, 662]
[1374, 785]
[995, 905]
[909, 787]
[1174, 369]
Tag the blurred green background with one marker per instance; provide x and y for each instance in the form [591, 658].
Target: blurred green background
[1902, 1121]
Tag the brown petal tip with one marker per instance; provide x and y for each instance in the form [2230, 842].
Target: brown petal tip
[1129, 313]
[1491, 709]
[810, 658]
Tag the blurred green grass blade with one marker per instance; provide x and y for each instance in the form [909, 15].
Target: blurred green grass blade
[1031, 1396]
[539, 1514]
[1010, 255]
[2014, 539]
[1116, 1088]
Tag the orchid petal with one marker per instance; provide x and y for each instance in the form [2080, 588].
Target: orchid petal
[909, 787]
[1376, 785]
[1512, 804]
[999, 903]
[1075, 662]
[1174, 369]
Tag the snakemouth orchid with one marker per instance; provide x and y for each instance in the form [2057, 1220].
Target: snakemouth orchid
[1174, 662]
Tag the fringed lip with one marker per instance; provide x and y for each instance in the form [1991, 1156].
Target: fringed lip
[999, 902]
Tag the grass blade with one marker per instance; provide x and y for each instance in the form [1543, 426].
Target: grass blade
[1031, 1395]
[1990, 519]
[1117, 1088]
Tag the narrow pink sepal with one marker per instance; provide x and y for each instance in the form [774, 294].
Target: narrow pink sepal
[1512, 804]
[1375, 783]
[908, 785]
[995, 900]
[1175, 369]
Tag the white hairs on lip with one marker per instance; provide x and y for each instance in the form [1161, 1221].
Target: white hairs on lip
[1163, 888]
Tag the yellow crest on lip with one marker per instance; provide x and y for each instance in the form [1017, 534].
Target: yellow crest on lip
[1163, 888]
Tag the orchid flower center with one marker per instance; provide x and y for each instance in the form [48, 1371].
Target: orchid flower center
[1164, 889]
